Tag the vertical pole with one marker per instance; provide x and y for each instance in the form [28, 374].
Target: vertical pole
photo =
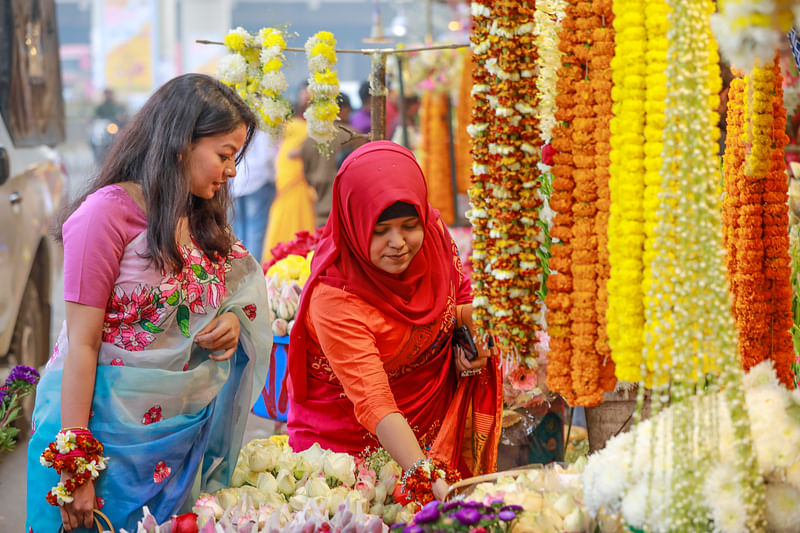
[377, 107]
[453, 179]
[402, 102]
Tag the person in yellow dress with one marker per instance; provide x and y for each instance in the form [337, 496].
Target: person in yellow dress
[293, 208]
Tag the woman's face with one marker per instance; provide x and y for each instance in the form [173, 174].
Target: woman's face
[394, 243]
[211, 161]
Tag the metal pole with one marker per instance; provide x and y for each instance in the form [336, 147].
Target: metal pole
[402, 103]
[377, 101]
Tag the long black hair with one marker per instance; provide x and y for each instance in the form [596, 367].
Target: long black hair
[153, 150]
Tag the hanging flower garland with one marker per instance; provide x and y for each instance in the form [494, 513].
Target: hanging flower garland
[750, 31]
[692, 323]
[579, 368]
[478, 213]
[626, 222]
[435, 153]
[505, 196]
[253, 69]
[656, 25]
[756, 217]
[323, 88]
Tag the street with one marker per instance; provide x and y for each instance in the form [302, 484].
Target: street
[79, 162]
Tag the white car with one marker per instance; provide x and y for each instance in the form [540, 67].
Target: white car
[33, 185]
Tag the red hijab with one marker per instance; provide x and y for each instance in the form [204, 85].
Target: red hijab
[372, 178]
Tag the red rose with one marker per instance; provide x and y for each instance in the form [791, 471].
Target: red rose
[185, 523]
[547, 154]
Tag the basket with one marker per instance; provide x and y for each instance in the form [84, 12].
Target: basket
[466, 486]
[101, 522]
[271, 404]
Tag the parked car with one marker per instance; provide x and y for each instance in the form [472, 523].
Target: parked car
[33, 184]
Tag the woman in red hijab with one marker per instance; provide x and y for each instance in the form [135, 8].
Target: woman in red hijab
[371, 360]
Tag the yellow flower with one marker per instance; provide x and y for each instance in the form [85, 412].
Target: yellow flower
[326, 111]
[273, 64]
[327, 77]
[235, 42]
[325, 50]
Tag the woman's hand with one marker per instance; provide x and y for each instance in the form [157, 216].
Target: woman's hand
[465, 365]
[440, 489]
[80, 511]
[222, 333]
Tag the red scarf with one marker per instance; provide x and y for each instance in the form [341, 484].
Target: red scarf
[372, 178]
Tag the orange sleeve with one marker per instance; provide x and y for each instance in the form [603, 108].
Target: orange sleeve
[343, 324]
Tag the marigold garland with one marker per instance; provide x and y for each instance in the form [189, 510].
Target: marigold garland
[505, 193]
[755, 221]
[253, 69]
[626, 221]
[579, 367]
[435, 153]
[323, 88]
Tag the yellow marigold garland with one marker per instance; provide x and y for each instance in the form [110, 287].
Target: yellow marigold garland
[626, 222]
[435, 153]
[323, 88]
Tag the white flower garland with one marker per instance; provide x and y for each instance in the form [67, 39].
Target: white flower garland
[323, 86]
[253, 69]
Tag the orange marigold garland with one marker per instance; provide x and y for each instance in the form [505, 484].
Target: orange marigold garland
[579, 367]
[756, 217]
[435, 156]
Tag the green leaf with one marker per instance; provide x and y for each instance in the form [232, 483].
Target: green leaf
[174, 297]
[183, 320]
[199, 271]
[149, 326]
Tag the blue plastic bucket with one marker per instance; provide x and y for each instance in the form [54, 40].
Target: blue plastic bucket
[268, 404]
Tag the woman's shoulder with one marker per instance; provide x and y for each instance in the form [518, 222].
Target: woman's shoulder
[325, 297]
[112, 204]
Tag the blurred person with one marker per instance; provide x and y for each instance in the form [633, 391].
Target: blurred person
[360, 120]
[253, 191]
[320, 170]
[109, 117]
[413, 132]
[293, 208]
[167, 330]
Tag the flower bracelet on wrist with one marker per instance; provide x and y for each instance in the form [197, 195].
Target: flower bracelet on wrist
[76, 452]
[417, 482]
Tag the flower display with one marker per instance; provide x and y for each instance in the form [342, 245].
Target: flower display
[253, 69]
[461, 515]
[505, 193]
[434, 151]
[750, 31]
[617, 478]
[285, 281]
[579, 366]
[323, 88]
[755, 218]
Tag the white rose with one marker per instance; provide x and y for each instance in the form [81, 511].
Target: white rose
[389, 514]
[275, 500]
[266, 482]
[239, 476]
[335, 498]
[228, 497]
[314, 457]
[286, 461]
[390, 469]
[264, 457]
[564, 505]
[577, 520]
[380, 494]
[286, 482]
[317, 487]
[298, 502]
[376, 509]
[340, 466]
[356, 502]
[208, 506]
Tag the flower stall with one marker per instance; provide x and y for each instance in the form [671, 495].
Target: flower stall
[612, 250]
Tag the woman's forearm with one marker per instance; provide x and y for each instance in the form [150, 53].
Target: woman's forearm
[397, 438]
[77, 386]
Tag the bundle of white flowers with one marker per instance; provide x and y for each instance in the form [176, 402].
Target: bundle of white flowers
[551, 499]
[271, 474]
[631, 473]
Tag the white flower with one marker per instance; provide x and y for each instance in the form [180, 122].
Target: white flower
[266, 482]
[314, 457]
[286, 482]
[761, 374]
[274, 81]
[317, 487]
[340, 466]
[65, 441]
[783, 508]
[208, 505]
[232, 69]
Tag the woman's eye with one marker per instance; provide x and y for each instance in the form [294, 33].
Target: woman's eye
[379, 231]
[224, 157]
